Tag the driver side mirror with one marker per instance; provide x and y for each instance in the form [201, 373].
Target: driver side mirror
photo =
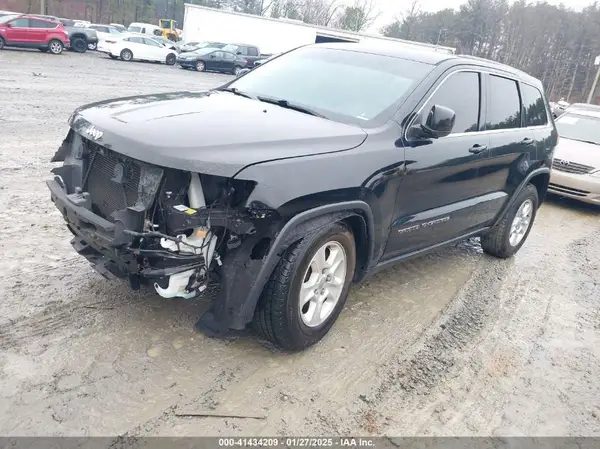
[439, 123]
[212, 56]
[8, 25]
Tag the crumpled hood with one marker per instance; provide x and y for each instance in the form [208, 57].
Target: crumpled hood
[211, 132]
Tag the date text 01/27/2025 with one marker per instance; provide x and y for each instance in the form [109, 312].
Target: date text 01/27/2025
[296, 442]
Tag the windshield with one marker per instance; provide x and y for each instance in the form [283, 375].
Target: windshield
[204, 51]
[347, 86]
[135, 29]
[579, 127]
[230, 47]
[5, 19]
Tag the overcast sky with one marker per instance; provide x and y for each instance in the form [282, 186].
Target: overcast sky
[389, 9]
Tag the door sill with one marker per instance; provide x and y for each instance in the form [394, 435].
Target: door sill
[403, 257]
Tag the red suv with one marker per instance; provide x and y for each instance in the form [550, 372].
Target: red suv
[32, 32]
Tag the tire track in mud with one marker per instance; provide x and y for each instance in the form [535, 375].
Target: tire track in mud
[458, 326]
[490, 299]
[49, 322]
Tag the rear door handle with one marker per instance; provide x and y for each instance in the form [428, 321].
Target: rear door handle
[476, 149]
[527, 141]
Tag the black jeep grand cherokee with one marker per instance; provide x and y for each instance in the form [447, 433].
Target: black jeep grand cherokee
[314, 170]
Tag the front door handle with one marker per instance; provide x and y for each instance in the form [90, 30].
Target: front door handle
[476, 149]
[527, 141]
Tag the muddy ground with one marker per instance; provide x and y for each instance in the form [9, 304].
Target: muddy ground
[456, 343]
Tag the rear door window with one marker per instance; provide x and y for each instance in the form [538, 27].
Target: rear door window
[461, 93]
[504, 111]
[151, 42]
[534, 105]
[41, 24]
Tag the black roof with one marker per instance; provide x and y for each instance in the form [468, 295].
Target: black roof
[428, 56]
[394, 51]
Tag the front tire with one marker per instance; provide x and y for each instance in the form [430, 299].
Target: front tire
[171, 59]
[2, 42]
[79, 45]
[55, 46]
[200, 67]
[126, 55]
[308, 289]
[92, 46]
[507, 237]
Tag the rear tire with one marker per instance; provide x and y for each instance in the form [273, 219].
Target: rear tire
[2, 42]
[79, 45]
[126, 55]
[55, 46]
[237, 70]
[299, 283]
[92, 46]
[200, 67]
[507, 237]
[171, 59]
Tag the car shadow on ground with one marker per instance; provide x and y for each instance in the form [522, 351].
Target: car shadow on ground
[569, 203]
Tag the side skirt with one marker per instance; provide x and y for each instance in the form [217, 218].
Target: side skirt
[390, 262]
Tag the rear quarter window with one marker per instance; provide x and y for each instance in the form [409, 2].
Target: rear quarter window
[534, 105]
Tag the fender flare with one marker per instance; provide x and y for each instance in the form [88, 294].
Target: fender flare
[294, 229]
[527, 180]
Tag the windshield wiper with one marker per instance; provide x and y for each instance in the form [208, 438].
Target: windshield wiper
[236, 91]
[286, 104]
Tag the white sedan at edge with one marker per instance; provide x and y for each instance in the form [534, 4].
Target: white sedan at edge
[129, 48]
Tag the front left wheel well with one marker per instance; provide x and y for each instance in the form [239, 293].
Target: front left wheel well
[358, 226]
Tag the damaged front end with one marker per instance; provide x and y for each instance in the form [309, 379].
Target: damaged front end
[161, 226]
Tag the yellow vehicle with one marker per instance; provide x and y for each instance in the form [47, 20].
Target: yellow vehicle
[169, 29]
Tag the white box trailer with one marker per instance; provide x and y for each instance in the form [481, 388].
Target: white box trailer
[201, 23]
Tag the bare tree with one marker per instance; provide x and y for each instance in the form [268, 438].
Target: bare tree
[357, 17]
[552, 43]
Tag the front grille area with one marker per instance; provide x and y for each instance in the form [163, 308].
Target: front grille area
[569, 190]
[112, 180]
[571, 167]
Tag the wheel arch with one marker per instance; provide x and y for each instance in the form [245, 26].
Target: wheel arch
[357, 215]
[540, 178]
[79, 36]
[541, 182]
[234, 308]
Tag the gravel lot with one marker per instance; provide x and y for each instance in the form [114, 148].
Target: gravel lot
[455, 343]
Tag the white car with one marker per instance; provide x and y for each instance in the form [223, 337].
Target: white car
[103, 32]
[129, 48]
[145, 28]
